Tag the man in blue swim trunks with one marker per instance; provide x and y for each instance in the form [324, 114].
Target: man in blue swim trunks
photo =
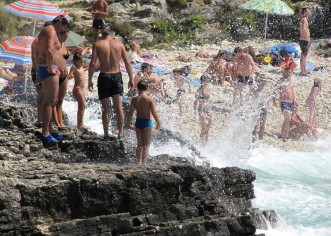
[51, 66]
[286, 96]
[109, 52]
[145, 106]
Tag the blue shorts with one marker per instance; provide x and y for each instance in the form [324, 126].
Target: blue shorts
[43, 72]
[143, 123]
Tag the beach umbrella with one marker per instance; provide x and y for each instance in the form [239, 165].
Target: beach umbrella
[267, 7]
[73, 39]
[17, 49]
[36, 9]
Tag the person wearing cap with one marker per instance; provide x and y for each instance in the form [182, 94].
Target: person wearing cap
[110, 52]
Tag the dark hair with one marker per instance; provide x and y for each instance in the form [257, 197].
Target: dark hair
[106, 33]
[142, 85]
[62, 19]
[145, 66]
[237, 49]
[303, 10]
[177, 70]
[47, 23]
[77, 56]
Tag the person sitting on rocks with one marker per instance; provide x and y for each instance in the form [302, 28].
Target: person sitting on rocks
[137, 54]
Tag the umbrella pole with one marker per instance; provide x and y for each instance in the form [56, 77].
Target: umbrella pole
[34, 27]
[265, 29]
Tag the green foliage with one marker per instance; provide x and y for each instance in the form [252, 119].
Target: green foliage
[197, 21]
[124, 29]
[8, 25]
[177, 3]
[160, 26]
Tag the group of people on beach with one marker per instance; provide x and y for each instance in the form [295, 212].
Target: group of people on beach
[50, 74]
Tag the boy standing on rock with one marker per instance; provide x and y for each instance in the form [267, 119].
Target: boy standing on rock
[145, 106]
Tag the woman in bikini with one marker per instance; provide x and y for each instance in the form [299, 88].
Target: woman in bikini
[63, 82]
[77, 72]
[204, 108]
[311, 101]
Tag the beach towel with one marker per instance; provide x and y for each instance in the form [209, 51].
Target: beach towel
[156, 70]
[281, 49]
[309, 65]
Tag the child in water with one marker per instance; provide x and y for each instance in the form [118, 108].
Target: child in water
[77, 72]
[145, 106]
[311, 101]
[179, 82]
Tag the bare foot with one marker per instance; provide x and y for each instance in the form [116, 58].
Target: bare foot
[83, 127]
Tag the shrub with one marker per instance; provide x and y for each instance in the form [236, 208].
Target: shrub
[197, 21]
[160, 26]
[177, 3]
[8, 25]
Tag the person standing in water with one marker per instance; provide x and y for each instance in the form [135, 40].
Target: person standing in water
[77, 72]
[204, 108]
[179, 82]
[304, 39]
[145, 107]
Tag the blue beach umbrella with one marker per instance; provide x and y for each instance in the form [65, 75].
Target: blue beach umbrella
[267, 7]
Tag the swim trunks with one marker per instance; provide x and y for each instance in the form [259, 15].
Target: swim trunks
[143, 123]
[109, 84]
[43, 72]
[304, 46]
[263, 112]
[99, 24]
[242, 79]
[287, 106]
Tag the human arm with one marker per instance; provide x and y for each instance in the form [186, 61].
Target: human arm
[71, 72]
[130, 114]
[91, 68]
[155, 115]
[101, 14]
[128, 67]
[51, 41]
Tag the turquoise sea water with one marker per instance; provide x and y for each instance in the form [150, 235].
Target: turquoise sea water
[297, 185]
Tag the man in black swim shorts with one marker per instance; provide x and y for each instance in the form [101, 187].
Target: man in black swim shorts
[109, 52]
[99, 13]
[304, 39]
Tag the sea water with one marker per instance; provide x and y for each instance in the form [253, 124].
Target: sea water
[297, 185]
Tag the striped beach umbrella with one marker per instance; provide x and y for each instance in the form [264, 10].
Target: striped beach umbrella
[267, 7]
[17, 49]
[36, 9]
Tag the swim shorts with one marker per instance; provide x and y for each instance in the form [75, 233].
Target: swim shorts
[304, 46]
[43, 72]
[109, 84]
[242, 79]
[143, 123]
[99, 24]
[287, 106]
[263, 112]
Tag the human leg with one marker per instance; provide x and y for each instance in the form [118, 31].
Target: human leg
[118, 107]
[262, 123]
[286, 124]
[50, 89]
[105, 115]
[139, 150]
[146, 141]
[40, 104]
[80, 98]
[62, 92]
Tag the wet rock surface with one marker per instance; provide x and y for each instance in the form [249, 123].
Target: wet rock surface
[86, 186]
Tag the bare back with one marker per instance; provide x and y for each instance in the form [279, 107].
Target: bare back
[109, 53]
[143, 105]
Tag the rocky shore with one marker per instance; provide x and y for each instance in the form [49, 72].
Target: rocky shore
[85, 186]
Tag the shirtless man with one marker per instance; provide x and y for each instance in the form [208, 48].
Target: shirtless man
[99, 13]
[304, 39]
[219, 69]
[286, 96]
[243, 69]
[109, 51]
[51, 66]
